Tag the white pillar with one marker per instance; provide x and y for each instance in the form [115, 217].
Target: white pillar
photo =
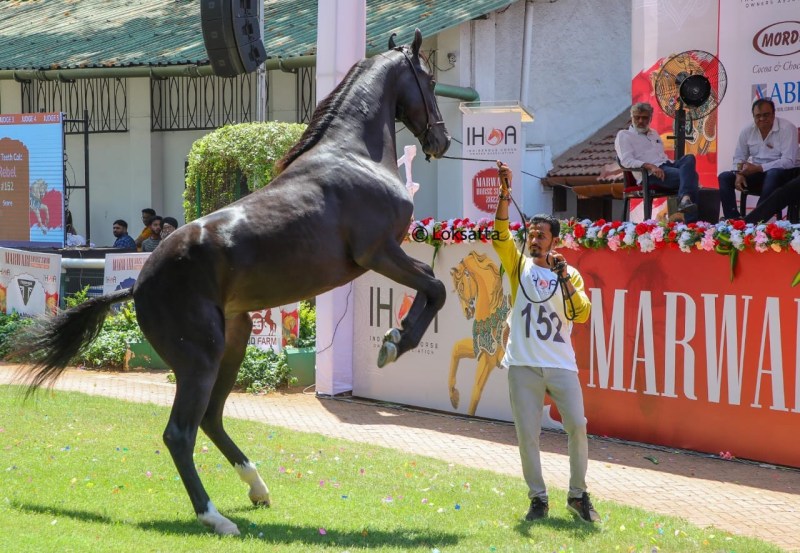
[341, 42]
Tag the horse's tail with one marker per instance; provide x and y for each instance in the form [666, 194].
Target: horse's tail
[48, 345]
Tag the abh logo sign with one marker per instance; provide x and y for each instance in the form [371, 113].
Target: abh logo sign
[481, 136]
[778, 39]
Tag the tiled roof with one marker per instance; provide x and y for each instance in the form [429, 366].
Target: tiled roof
[590, 168]
[57, 34]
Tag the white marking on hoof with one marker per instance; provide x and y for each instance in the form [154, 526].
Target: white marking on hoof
[259, 493]
[392, 335]
[387, 354]
[217, 522]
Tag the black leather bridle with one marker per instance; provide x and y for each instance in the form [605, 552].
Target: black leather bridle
[428, 124]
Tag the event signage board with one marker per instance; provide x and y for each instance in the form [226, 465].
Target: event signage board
[488, 137]
[121, 270]
[759, 43]
[422, 377]
[29, 282]
[32, 180]
[672, 357]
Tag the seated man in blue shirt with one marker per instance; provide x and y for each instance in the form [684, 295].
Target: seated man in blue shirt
[765, 154]
[123, 241]
[640, 146]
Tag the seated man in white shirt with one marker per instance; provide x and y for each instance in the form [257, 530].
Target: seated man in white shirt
[765, 154]
[641, 146]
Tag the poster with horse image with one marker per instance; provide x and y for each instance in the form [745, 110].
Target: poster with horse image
[29, 282]
[32, 180]
[455, 368]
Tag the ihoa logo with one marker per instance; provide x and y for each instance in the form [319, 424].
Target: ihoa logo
[778, 39]
[481, 136]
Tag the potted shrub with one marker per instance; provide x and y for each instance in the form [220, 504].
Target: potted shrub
[302, 356]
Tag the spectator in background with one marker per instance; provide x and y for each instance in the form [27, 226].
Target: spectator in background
[123, 240]
[765, 155]
[639, 146]
[147, 216]
[168, 226]
[155, 235]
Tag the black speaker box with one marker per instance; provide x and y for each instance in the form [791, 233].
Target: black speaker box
[232, 36]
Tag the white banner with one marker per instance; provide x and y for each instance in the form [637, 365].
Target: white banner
[759, 44]
[122, 270]
[29, 282]
[490, 137]
[267, 329]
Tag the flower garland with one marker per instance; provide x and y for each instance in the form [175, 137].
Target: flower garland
[725, 237]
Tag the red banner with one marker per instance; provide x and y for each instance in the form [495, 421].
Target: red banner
[677, 354]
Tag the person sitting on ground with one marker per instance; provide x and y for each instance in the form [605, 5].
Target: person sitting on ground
[640, 146]
[155, 235]
[168, 226]
[765, 155]
[147, 216]
[783, 197]
[123, 240]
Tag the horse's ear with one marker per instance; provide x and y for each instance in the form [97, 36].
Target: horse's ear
[392, 45]
[417, 42]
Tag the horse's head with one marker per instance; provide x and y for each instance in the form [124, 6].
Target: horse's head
[416, 103]
[466, 288]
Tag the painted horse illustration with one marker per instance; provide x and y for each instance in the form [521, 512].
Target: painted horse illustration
[480, 290]
[337, 209]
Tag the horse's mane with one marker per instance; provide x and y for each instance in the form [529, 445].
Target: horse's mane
[323, 115]
[495, 283]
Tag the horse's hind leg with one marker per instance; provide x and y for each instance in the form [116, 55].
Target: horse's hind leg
[193, 351]
[237, 333]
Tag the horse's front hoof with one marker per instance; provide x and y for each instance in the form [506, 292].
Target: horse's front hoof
[392, 335]
[387, 354]
[455, 397]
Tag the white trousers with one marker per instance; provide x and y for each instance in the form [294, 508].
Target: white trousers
[527, 387]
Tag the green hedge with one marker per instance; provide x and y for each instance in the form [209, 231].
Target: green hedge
[246, 150]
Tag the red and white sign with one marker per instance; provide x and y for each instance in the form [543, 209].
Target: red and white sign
[488, 137]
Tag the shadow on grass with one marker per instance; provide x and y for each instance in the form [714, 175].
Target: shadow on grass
[570, 528]
[270, 533]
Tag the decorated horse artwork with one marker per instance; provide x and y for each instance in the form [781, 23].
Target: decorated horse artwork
[337, 209]
[479, 286]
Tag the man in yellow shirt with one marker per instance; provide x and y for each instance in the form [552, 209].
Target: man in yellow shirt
[539, 354]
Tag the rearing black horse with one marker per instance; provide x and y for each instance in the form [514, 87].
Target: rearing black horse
[337, 210]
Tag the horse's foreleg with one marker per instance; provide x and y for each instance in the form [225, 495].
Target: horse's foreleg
[463, 349]
[393, 263]
[482, 372]
[237, 333]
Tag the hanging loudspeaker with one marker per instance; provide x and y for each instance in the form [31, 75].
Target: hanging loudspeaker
[232, 36]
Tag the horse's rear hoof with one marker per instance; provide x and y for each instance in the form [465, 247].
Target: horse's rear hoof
[218, 523]
[261, 502]
[387, 354]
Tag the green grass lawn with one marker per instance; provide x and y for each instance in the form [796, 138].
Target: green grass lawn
[84, 473]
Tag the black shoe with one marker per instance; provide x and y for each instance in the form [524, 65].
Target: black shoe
[582, 507]
[539, 509]
[687, 207]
